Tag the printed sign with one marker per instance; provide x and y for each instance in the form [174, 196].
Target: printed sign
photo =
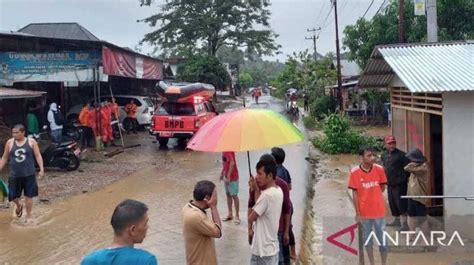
[47, 66]
[420, 7]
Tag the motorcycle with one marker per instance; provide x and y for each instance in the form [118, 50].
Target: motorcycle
[73, 130]
[293, 110]
[117, 129]
[65, 155]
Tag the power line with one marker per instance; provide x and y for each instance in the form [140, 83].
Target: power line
[324, 24]
[381, 7]
[371, 3]
[321, 11]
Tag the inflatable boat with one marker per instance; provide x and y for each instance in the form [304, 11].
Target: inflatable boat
[185, 92]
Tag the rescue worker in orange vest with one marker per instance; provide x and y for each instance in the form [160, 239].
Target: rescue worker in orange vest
[97, 119]
[84, 119]
[131, 122]
[106, 123]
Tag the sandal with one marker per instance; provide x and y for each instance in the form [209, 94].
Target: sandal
[19, 211]
[237, 221]
[227, 219]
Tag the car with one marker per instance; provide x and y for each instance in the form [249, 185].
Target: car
[145, 106]
[183, 112]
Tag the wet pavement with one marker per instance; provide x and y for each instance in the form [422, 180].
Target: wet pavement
[68, 229]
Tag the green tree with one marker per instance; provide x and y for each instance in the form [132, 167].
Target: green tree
[454, 20]
[262, 71]
[196, 26]
[246, 80]
[205, 69]
[230, 55]
[302, 72]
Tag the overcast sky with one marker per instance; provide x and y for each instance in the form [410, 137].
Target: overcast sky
[115, 20]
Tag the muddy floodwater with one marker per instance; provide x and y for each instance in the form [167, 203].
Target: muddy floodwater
[67, 229]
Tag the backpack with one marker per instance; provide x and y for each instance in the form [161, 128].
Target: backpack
[58, 118]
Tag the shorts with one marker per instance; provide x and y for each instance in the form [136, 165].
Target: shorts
[232, 188]
[269, 260]
[398, 206]
[19, 185]
[417, 209]
[377, 225]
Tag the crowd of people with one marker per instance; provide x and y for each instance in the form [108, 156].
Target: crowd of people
[270, 209]
[404, 174]
[97, 122]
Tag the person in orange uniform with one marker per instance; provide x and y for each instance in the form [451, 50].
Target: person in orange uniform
[106, 123]
[84, 119]
[131, 122]
[97, 118]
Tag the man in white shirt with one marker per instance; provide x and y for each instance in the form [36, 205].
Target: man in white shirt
[55, 125]
[265, 215]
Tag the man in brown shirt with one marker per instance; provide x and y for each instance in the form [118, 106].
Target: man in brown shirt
[199, 231]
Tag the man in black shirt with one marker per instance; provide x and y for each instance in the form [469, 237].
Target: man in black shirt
[394, 161]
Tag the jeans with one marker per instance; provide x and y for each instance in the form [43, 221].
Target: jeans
[284, 255]
[270, 260]
[57, 136]
[378, 225]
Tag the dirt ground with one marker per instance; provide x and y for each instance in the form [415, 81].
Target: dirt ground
[97, 171]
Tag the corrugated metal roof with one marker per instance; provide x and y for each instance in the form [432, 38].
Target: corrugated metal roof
[439, 67]
[348, 68]
[71, 31]
[11, 93]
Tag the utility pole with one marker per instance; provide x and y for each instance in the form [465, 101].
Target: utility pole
[401, 21]
[314, 38]
[338, 55]
[432, 21]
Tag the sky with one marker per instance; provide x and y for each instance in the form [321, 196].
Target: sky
[116, 20]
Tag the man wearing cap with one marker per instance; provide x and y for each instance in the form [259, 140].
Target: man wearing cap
[394, 162]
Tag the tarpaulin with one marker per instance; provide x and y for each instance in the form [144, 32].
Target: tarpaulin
[119, 63]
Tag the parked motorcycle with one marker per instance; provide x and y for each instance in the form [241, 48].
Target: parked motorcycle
[64, 155]
[117, 129]
[73, 130]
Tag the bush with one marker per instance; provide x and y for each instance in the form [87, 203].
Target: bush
[341, 138]
[323, 106]
[310, 122]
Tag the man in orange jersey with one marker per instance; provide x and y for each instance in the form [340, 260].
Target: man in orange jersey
[367, 182]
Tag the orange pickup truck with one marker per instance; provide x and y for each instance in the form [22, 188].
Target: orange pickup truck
[185, 108]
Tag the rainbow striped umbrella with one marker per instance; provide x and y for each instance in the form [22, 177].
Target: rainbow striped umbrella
[245, 130]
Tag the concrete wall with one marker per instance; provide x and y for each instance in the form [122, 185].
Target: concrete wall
[458, 160]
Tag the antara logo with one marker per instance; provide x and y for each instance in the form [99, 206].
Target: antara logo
[435, 238]
[439, 236]
[351, 229]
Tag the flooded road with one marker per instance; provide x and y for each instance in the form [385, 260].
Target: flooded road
[68, 229]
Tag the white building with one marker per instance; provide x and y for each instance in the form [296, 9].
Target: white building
[432, 96]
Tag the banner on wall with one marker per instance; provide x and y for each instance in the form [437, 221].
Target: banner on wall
[47, 66]
[119, 63]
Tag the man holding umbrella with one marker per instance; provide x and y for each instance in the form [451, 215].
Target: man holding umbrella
[257, 187]
[265, 209]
